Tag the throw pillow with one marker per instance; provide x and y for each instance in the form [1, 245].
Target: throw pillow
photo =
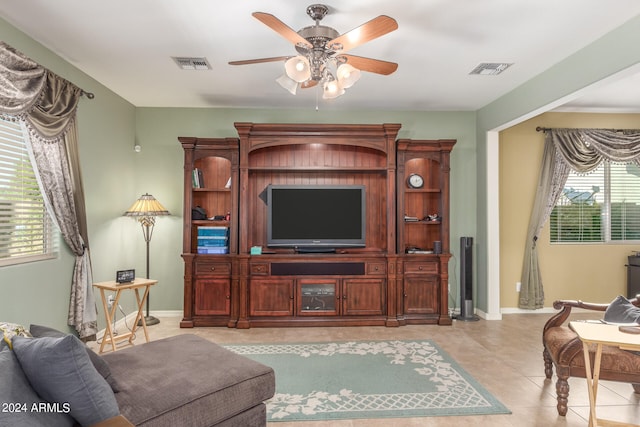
[98, 362]
[620, 310]
[9, 330]
[21, 405]
[60, 371]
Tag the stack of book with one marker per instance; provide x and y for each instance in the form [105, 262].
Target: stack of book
[213, 240]
[197, 178]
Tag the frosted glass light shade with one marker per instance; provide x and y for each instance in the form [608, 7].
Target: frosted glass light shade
[298, 68]
[288, 83]
[332, 89]
[347, 75]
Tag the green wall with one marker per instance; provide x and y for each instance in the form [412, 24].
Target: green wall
[159, 169]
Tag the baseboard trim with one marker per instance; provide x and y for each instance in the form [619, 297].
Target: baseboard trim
[167, 313]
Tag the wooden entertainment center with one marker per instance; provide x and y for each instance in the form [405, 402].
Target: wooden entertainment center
[397, 278]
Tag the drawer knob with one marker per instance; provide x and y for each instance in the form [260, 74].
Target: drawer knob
[213, 268]
[420, 268]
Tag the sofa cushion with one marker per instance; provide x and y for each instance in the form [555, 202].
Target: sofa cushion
[60, 371]
[187, 380]
[98, 362]
[621, 310]
[21, 405]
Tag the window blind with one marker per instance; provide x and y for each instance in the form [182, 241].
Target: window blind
[25, 227]
[625, 202]
[601, 206]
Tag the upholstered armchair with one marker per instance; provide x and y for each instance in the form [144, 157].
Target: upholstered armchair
[563, 349]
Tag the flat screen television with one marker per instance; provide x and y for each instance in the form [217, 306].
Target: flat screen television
[316, 216]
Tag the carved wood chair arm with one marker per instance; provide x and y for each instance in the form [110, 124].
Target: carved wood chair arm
[579, 304]
[565, 307]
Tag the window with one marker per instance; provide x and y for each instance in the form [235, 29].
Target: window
[601, 206]
[26, 230]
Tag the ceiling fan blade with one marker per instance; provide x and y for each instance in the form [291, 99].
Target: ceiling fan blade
[281, 28]
[259, 61]
[368, 31]
[371, 65]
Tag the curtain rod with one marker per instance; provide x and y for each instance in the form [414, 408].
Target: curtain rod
[542, 129]
[89, 95]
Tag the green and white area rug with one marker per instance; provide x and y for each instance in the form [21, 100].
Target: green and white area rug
[368, 379]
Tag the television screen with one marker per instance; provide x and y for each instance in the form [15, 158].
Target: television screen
[316, 216]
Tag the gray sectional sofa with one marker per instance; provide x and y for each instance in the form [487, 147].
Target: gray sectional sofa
[54, 380]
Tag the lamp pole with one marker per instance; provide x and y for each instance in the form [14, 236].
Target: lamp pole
[147, 223]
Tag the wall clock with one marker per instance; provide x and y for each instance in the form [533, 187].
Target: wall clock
[415, 181]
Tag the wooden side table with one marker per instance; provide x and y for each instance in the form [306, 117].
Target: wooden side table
[601, 334]
[109, 314]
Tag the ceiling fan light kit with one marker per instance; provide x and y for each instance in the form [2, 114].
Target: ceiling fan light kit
[322, 60]
[298, 68]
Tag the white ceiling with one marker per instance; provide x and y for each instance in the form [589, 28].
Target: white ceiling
[127, 46]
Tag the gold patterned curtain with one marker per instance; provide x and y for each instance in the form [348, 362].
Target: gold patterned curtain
[45, 104]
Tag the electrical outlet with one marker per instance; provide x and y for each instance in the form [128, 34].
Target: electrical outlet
[110, 300]
[518, 285]
[449, 287]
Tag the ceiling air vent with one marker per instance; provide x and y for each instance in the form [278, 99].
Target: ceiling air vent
[490, 68]
[188, 63]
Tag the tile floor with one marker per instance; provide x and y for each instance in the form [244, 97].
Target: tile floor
[505, 356]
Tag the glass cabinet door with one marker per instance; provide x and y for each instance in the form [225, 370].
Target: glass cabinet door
[317, 297]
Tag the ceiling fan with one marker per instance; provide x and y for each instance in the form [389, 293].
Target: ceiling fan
[322, 57]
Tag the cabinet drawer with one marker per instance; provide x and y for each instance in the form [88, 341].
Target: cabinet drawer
[260, 269]
[421, 267]
[216, 268]
[376, 268]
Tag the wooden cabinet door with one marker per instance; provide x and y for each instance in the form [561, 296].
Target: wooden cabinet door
[364, 297]
[271, 297]
[420, 294]
[213, 297]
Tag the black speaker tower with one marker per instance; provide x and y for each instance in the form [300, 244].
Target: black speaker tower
[466, 280]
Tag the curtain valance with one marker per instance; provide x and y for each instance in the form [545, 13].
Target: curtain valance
[21, 82]
[584, 149]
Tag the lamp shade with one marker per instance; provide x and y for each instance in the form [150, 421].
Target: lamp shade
[298, 68]
[332, 88]
[146, 206]
[347, 75]
[288, 83]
